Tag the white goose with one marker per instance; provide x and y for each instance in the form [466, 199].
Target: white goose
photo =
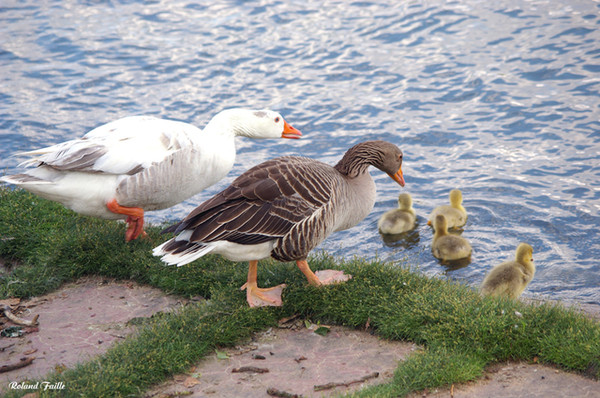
[283, 208]
[141, 163]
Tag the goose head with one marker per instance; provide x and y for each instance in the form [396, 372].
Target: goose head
[440, 225]
[262, 123]
[404, 201]
[389, 160]
[456, 198]
[524, 254]
[386, 156]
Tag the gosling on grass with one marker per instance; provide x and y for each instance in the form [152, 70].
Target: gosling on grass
[511, 277]
[448, 247]
[398, 220]
[455, 213]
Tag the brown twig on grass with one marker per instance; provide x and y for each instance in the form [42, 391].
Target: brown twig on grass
[281, 394]
[15, 319]
[328, 386]
[250, 369]
[21, 364]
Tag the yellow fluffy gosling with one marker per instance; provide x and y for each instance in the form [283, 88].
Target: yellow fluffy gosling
[446, 246]
[398, 220]
[455, 213]
[511, 277]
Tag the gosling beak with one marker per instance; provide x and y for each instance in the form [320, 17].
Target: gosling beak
[398, 177]
[290, 132]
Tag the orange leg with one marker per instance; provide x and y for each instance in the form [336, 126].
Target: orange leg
[312, 278]
[324, 277]
[135, 219]
[258, 297]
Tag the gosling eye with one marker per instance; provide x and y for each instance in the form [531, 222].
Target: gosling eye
[277, 119]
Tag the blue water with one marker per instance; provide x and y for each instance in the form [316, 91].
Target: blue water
[499, 99]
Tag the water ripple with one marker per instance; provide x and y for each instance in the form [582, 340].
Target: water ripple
[500, 100]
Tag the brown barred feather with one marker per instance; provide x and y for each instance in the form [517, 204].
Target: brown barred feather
[295, 201]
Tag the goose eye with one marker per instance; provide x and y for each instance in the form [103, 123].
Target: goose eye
[277, 119]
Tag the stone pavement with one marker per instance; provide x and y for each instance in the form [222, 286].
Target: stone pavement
[83, 319]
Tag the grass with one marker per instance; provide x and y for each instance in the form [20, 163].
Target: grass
[460, 331]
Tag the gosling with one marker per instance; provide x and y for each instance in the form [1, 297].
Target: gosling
[448, 247]
[511, 277]
[398, 220]
[455, 213]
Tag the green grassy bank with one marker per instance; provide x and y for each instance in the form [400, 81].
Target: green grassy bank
[460, 331]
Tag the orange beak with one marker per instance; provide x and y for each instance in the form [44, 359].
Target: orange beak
[290, 132]
[398, 177]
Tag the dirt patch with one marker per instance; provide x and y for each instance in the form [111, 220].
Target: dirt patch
[76, 323]
[296, 361]
[522, 380]
[83, 319]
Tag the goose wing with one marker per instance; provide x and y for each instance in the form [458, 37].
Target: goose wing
[263, 204]
[125, 146]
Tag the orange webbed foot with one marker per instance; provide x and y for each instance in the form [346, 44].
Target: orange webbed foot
[135, 228]
[258, 297]
[332, 276]
[135, 219]
[323, 277]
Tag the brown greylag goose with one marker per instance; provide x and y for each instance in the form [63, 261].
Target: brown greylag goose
[398, 220]
[283, 208]
[511, 277]
[448, 247]
[455, 213]
[141, 163]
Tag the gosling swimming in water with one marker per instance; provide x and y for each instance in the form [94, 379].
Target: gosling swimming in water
[511, 277]
[448, 247]
[398, 220]
[455, 213]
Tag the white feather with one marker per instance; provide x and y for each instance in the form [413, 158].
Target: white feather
[141, 161]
